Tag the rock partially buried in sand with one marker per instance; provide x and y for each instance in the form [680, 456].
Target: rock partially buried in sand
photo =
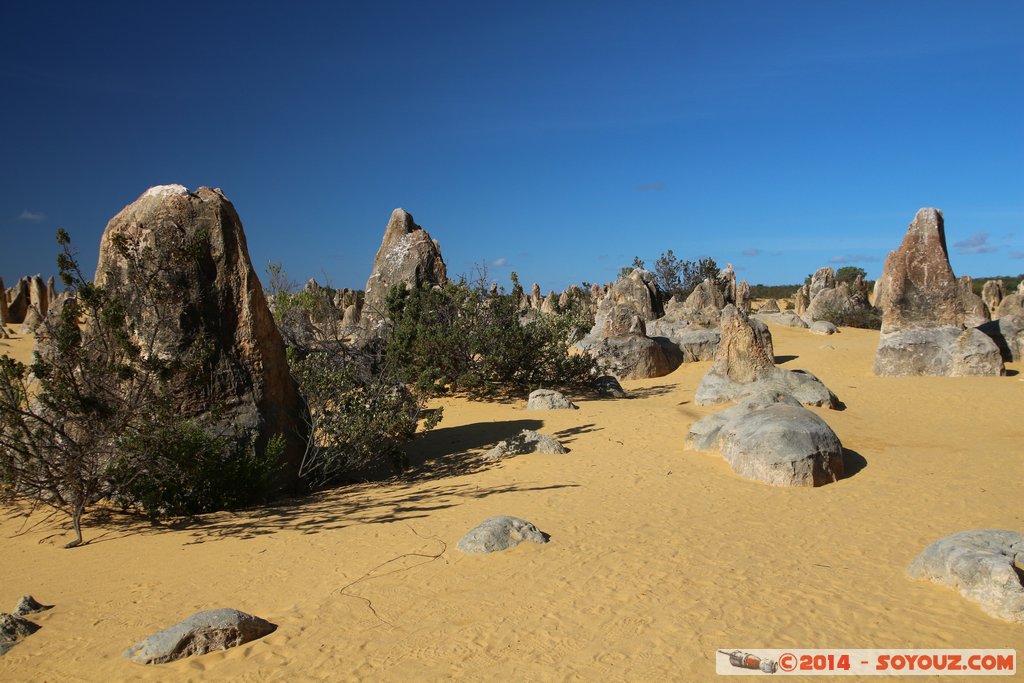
[606, 385]
[526, 441]
[29, 605]
[500, 533]
[787, 319]
[12, 629]
[546, 399]
[217, 629]
[985, 565]
[823, 327]
[945, 351]
[1008, 334]
[773, 439]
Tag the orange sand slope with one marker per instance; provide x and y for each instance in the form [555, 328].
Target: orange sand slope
[658, 556]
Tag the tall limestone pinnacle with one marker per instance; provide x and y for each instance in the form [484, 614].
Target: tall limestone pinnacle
[223, 302]
[407, 256]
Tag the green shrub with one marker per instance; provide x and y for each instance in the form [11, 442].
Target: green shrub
[868, 318]
[180, 469]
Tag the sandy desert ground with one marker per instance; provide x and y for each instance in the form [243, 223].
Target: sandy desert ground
[658, 555]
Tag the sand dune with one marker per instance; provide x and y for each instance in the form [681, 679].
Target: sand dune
[658, 556]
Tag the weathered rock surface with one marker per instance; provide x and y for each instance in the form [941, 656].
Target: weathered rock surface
[500, 533]
[937, 351]
[920, 288]
[222, 302]
[547, 399]
[801, 301]
[823, 327]
[633, 295]
[696, 343]
[773, 439]
[29, 605]
[203, 632]
[18, 302]
[704, 296]
[769, 306]
[1012, 304]
[788, 319]
[975, 311]
[1008, 334]
[743, 296]
[823, 278]
[727, 282]
[923, 314]
[5, 314]
[526, 441]
[984, 565]
[607, 385]
[835, 303]
[407, 256]
[12, 629]
[992, 293]
[38, 297]
[745, 365]
[634, 356]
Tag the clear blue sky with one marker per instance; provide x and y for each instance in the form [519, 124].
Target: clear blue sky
[557, 139]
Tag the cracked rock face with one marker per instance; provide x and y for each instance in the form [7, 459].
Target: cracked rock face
[986, 566]
[14, 628]
[500, 533]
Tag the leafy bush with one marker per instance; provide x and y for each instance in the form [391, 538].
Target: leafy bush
[679, 278]
[867, 318]
[458, 337]
[180, 469]
[98, 384]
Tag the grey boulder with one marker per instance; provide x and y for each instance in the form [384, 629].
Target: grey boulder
[526, 441]
[696, 343]
[1008, 334]
[800, 384]
[946, 351]
[546, 399]
[12, 629]
[29, 605]
[787, 319]
[984, 565]
[203, 632]
[773, 439]
[500, 533]
[823, 327]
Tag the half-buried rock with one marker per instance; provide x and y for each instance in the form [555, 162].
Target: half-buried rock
[773, 439]
[500, 533]
[745, 366]
[985, 565]
[29, 605]
[526, 441]
[546, 399]
[12, 629]
[217, 629]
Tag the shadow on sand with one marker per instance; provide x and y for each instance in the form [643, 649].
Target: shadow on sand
[416, 493]
[853, 463]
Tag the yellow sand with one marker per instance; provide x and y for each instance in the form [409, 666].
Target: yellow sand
[658, 556]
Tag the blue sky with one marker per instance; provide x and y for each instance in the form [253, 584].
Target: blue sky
[557, 139]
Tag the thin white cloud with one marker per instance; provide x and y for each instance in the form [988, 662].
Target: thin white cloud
[975, 244]
[32, 216]
[752, 252]
[1017, 254]
[499, 262]
[852, 258]
[651, 187]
